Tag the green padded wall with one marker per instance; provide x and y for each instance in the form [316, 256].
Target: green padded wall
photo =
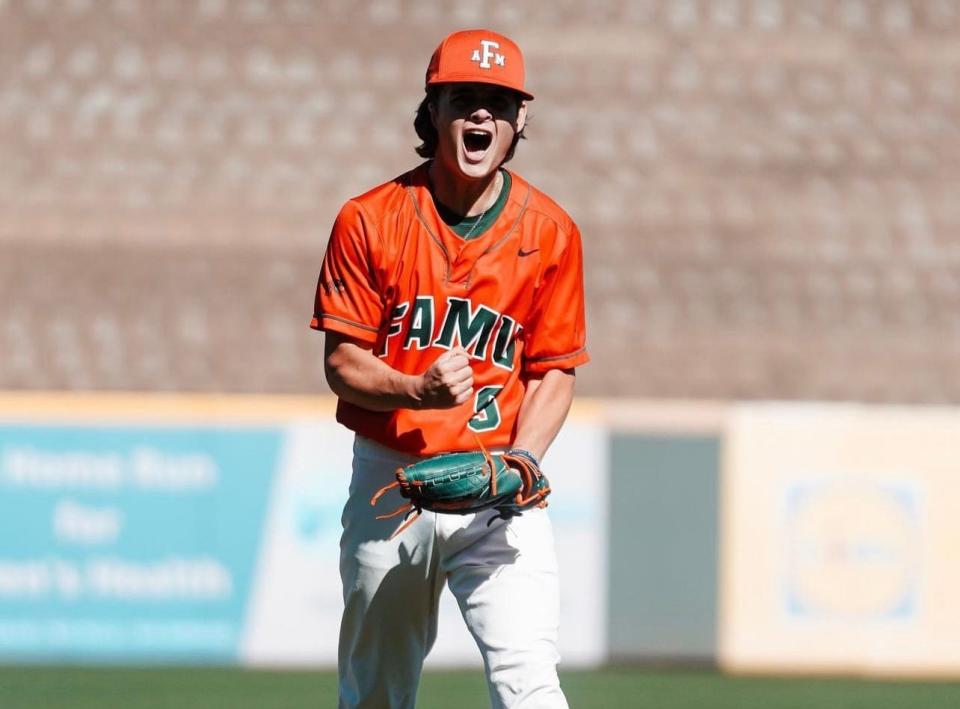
[664, 512]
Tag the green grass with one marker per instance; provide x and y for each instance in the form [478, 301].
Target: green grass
[216, 688]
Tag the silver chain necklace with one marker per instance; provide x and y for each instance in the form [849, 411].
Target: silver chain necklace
[484, 212]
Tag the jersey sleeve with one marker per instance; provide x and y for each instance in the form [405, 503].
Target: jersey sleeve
[348, 299]
[556, 336]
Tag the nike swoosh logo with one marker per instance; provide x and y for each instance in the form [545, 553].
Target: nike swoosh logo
[521, 252]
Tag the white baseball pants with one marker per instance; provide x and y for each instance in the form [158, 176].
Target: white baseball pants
[504, 577]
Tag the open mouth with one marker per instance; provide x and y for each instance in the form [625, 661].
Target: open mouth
[476, 140]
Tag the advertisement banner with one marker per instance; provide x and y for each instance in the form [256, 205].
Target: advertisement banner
[839, 540]
[129, 543]
[209, 532]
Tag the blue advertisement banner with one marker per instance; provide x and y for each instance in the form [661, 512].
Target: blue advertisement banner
[123, 544]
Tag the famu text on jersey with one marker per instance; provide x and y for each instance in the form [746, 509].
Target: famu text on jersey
[416, 326]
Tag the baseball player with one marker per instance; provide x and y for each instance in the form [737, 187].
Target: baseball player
[452, 302]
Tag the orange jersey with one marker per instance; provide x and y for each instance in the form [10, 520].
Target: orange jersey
[395, 276]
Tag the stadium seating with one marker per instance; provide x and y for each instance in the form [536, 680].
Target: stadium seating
[766, 189]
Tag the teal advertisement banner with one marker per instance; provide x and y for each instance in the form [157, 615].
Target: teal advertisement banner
[122, 544]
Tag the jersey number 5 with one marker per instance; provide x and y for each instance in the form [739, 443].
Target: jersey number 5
[487, 416]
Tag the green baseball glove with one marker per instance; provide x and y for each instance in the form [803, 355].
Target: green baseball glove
[461, 483]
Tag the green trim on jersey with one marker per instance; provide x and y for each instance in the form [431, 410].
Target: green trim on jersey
[475, 226]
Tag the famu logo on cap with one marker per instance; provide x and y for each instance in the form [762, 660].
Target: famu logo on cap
[484, 54]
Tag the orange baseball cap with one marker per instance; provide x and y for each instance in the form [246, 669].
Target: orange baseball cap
[478, 56]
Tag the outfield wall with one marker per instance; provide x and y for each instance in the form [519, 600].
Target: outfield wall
[184, 529]
[760, 537]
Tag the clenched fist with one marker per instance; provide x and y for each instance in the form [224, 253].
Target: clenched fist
[448, 382]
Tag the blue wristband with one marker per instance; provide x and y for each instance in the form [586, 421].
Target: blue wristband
[524, 453]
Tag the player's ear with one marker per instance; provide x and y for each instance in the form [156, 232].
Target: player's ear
[521, 116]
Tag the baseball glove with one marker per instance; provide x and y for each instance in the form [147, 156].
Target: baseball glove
[461, 483]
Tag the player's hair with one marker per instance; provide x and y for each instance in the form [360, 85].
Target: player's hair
[427, 132]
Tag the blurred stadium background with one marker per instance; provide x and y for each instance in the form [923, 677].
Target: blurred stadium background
[768, 193]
